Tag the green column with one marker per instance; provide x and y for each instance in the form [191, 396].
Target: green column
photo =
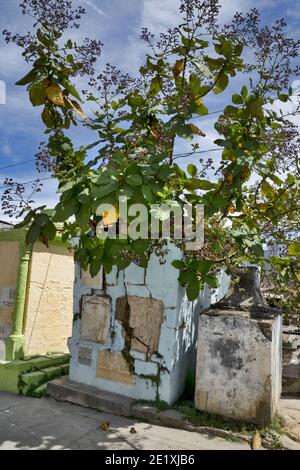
[16, 341]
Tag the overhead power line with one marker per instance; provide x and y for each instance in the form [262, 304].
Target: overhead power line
[16, 164]
[5, 186]
[176, 156]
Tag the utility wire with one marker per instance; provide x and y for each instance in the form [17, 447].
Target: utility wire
[194, 117]
[176, 155]
[16, 164]
[5, 186]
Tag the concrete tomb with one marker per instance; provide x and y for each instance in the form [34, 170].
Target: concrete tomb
[239, 354]
[134, 331]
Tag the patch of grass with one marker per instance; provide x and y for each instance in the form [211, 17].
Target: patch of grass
[202, 418]
[233, 438]
[276, 425]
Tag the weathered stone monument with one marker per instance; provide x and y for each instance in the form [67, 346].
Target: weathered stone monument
[135, 332]
[239, 354]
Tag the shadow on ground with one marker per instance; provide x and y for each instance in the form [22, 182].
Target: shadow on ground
[31, 424]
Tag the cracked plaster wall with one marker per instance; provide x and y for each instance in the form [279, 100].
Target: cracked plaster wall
[150, 332]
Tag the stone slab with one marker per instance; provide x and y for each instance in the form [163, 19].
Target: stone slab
[150, 413]
[93, 282]
[145, 318]
[85, 356]
[171, 418]
[112, 366]
[64, 389]
[95, 318]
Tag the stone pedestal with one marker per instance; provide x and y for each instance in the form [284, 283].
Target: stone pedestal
[239, 358]
[135, 334]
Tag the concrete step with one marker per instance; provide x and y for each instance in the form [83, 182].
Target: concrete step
[11, 371]
[32, 380]
[40, 391]
[64, 389]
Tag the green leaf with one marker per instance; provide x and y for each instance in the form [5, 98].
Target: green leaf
[244, 92]
[178, 264]
[283, 97]
[194, 183]
[227, 48]
[134, 180]
[65, 187]
[211, 281]
[126, 191]
[276, 180]
[140, 246]
[143, 262]
[184, 131]
[192, 169]
[95, 264]
[49, 230]
[122, 263]
[33, 233]
[257, 250]
[231, 111]
[164, 172]
[42, 219]
[201, 110]
[83, 216]
[135, 100]
[64, 210]
[203, 266]
[267, 190]
[186, 277]
[147, 193]
[37, 94]
[26, 220]
[294, 249]
[255, 107]
[72, 90]
[155, 86]
[237, 99]
[100, 191]
[193, 290]
[222, 83]
[28, 78]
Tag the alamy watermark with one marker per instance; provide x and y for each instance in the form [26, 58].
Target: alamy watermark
[170, 220]
[2, 92]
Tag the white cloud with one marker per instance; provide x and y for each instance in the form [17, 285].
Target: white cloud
[6, 149]
[94, 7]
[159, 15]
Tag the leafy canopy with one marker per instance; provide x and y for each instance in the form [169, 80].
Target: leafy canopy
[137, 122]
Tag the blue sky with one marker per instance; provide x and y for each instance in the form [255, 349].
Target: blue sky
[117, 23]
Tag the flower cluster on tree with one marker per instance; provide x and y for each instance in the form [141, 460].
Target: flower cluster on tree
[138, 120]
